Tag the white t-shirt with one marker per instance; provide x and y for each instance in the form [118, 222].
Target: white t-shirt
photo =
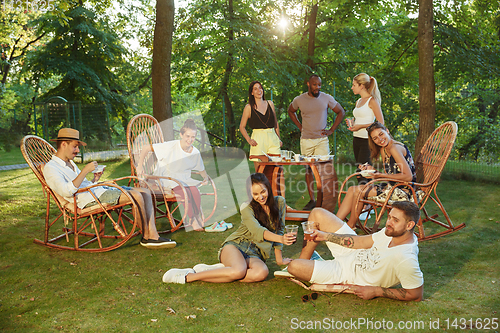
[176, 163]
[382, 265]
[314, 113]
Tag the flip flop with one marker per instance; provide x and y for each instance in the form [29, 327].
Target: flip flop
[216, 227]
[229, 225]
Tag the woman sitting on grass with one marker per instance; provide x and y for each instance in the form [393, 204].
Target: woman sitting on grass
[398, 165]
[243, 254]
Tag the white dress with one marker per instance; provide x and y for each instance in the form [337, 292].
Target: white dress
[176, 163]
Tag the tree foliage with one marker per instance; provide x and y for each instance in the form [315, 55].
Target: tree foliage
[219, 47]
[84, 51]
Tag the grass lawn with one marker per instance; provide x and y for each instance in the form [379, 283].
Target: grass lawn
[47, 290]
[12, 157]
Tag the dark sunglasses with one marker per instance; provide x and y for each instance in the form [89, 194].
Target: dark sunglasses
[309, 298]
[312, 297]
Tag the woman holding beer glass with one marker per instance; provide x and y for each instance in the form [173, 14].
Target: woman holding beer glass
[243, 254]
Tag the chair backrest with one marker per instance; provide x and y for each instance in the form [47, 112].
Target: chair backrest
[37, 152]
[435, 152]
[142, 130]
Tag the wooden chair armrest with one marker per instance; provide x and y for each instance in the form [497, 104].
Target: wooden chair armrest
[101, 206]
[361, 200]
[344, 183]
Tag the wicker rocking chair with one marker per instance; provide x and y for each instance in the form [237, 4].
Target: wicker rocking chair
[429, 164]
[143, 131]
[97, 228]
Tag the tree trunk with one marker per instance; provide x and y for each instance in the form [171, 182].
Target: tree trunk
[5, 71]
[312, 36]
[427, 87]
[162, 56]
[225, 81]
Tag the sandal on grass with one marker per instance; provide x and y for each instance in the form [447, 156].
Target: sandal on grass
[216, 227]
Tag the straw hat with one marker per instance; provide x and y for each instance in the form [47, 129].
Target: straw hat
[69, 134]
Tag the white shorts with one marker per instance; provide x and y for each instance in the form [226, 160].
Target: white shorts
[309, 147]
[331, 271]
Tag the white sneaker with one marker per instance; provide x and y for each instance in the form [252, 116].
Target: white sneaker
[203, 267]
[176, 275]
[283, 273]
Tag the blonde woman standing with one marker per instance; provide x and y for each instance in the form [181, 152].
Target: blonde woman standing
[367, 111]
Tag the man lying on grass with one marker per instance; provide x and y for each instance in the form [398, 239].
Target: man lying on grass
[370, 263]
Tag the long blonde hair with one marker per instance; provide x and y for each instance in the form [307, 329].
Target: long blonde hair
[370, 83]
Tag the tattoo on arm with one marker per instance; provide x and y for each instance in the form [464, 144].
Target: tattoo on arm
[399, 293]
[343, 240]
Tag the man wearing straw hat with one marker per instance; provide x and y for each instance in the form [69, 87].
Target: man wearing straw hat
[64, 178]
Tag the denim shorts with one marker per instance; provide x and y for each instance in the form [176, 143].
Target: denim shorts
[247, 249]
[110, 196]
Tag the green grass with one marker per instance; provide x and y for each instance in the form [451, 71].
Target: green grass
[13, 157]
[474, 171]
[47, 290]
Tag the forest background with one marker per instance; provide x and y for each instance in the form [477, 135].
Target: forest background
[102, 53]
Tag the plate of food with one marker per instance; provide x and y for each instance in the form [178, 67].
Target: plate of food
[326, 157]
[367, 173]
[100, 168]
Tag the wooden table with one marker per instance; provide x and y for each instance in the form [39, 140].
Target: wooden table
[326, 184]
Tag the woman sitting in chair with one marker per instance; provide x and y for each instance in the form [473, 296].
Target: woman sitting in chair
[398, 165]
[176, 159]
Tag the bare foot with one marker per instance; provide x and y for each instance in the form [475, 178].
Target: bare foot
[197, 224]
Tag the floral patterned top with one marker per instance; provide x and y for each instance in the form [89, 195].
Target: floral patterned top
[391, 167]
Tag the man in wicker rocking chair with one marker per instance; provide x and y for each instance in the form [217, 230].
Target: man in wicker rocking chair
[370, 264]
[64, 178]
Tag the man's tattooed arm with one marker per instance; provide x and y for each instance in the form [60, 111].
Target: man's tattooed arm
[343, 240]
[369, 292]
[399, 293]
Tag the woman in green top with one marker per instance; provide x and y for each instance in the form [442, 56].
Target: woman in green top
[243, 254]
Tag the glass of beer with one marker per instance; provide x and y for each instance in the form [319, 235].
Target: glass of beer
[309, 228]
[292, 229]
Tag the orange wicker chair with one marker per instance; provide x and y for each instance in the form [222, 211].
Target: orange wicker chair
[144, 130]
[87, 228]
[429, 166]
